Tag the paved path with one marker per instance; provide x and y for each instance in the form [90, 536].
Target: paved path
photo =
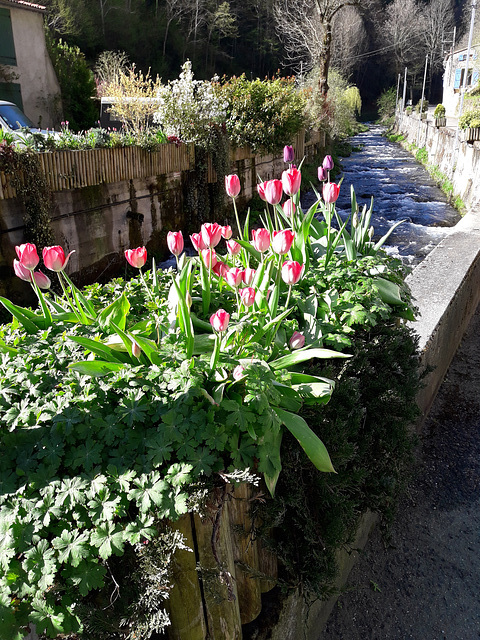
[425, 583]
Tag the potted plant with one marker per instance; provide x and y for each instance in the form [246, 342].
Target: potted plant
[470, 123]
[439, 115]
[421, 108]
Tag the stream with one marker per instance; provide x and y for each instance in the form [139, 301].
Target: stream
[402, 190]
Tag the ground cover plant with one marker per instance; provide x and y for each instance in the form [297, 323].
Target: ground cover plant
[121, 404]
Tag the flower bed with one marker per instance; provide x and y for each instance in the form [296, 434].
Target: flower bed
[123, 405]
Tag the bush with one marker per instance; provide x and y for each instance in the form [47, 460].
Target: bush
[262, 114]
[421, 106]
[386, 105]
[468, 119]
[439, 111]
[77, 84]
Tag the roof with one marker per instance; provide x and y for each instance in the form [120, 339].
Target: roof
[23, 4]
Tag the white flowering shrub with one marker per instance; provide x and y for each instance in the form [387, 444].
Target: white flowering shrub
[190, 109]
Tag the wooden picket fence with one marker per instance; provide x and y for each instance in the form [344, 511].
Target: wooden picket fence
[218, 588]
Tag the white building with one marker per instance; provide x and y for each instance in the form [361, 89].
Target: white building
[27, 77]
[455, 66]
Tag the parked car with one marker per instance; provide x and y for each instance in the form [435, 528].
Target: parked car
[13, 121]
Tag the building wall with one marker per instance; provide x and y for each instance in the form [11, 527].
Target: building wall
[39, 85]
[453, 78]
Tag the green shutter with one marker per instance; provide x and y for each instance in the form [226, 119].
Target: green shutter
[11, 92]
[7, 46]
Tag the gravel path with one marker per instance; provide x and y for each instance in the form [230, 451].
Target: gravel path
[425, 583]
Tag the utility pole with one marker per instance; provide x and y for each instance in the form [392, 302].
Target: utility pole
[421, 102]
[398, 89]
[404, 95]
[464, 84]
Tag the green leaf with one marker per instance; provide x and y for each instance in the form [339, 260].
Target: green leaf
[31, 326]
[109, 538]
[72, 546]
[40, 565]
[115, 314]
[388, 291]
[95, 368]
[87, 576]
[103, 350]
[303, 355]
[309, 441]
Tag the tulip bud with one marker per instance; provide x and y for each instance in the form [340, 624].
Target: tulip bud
[328, 163]
[297, 341]
[209, 257]
[330, 192]
[291, 180]
[291, 272]
[220, 269]
[233, 247]
[355, 220]
[136, 351]
[273, 191]
[220, 320]
[247, 296]
[22, 272]
[41, 280]
[54, 258]
[175, 242]
[136, 257]
[234, 276]
[261, 190]
[282, 241]
[371, 231]
[288, 154]
[232, 185]
[248, 276]
[322, 174]
[27, 255]
[211, 234]
[238, 372]
[261, 239]
[288, 206]
[197, 241]
[226, 232]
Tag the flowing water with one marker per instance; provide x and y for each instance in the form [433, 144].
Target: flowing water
[402, 190]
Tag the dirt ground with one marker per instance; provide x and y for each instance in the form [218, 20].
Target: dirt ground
[424, 584]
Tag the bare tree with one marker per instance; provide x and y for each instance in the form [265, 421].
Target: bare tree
[305, 26]
[350, 40]
[403, 30]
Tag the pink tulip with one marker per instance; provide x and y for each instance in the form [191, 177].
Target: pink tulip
[233, 247]
[291, 179]
[136, 257]
[211, 234]
[261, 239]
[273, 191]
[328, 163]
[322, 174]
[291, 272]
[232, 185]
[54, 258]
[261, 190]
[282, 241]
[197, 241]
[27, 255]
[226, 232]
[41, 280]
[248, 276]
[247, 296]
[209, 257]
[297, 341]
[288, 206]
[220, 269]
[330, 192]
[238, 372]
[288, 154]
[220, 320]
[22, 272]
[234, 277]
[175, 242]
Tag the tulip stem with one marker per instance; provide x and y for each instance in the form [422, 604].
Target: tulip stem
[240, 235]
[288, 297]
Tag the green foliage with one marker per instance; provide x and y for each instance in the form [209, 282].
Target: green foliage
[386, 105]
[469, 119]
[421, 155]
[422, 106]
[77, 84]
[439, 111]
[262, 114]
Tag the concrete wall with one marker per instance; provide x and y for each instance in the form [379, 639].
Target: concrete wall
[457, 159]
[36, 76]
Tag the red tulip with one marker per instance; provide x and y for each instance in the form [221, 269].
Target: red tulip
[41, 280]
[288, 206]
[220, 269]
[233, 247]
[273, 191]
[291, 272]
[54, 258]
[291, 179]
[234, 277]
[247, 296]
[297, 341]
[22, 272]
[136, 257]
[27, 255]
[220, 320]
[211, 234]
[209, 257]
[282, 241]
[330, 192]
[261, 239]
[232, 185]
[226, 232]
[175, 242]
[248, 276]
[261, 190]
[197, 241]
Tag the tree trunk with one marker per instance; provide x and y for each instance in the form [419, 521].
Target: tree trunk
[324, 60]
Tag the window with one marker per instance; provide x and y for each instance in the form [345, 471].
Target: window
[11, 92]
[7, 46]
